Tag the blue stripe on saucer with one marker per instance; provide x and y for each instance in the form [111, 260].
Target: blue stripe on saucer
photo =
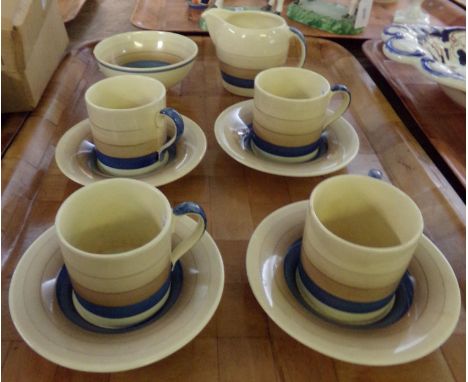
[128, 310]
[283, 151]
[236, 81]
[64, 290]
[337, 302]
[127, 163]
[403, 294]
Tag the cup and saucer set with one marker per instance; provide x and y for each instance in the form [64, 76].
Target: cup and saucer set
[116, 285]
[128, 117]
[288, 128]
[123, 279]
[351, 275]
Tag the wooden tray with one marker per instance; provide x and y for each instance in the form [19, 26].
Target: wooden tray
[441, 119]
[69, 9]
[240, 343]
[174, 16]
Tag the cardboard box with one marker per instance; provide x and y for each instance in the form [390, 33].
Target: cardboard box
[33, 42]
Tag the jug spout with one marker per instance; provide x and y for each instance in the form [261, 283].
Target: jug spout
[215, 21]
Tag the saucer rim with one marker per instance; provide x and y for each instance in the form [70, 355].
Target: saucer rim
[21, 324]
[355, 357]
[150, 177]
[220, 132]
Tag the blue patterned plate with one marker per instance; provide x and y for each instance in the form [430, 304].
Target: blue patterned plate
[439, 53]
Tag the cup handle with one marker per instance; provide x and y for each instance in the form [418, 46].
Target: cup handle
[184, 246]
[343, 90]
[300, 37]
[177, 124]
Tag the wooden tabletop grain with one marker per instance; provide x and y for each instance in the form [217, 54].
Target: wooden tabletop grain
[175, 15]
[442, 121]
[240, 343]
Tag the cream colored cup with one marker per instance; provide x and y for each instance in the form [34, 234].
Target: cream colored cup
[128, 117]
[116, 241]
[359, 237]
[290, 106]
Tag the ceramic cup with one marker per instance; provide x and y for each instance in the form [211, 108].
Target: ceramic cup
[360, 235]
[130, 124]
[116, 241]
[291, 112]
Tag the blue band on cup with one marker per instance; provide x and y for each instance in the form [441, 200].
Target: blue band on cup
[127, 310]
[127, 163]
[337, 302]
[284, 151]
[236, 81]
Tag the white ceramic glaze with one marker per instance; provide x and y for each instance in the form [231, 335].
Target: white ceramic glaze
[40, 322]
[147, 44]
[113, 323]
[231, 125]
[135, 222]
[248, 42]
[437, 52]
[293, 102]
[430, 320]
[76, 159]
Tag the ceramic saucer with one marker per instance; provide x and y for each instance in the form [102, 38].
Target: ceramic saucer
[76, 159]
[430, 320]
[232, 125]
[40, 321]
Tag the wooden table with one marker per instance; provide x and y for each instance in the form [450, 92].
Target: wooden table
[441, 120]
[174, 15]
[240, 343]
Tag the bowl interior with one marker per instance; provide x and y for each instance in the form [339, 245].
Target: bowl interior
[145, 50]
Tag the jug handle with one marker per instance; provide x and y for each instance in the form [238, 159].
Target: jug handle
[302, 41]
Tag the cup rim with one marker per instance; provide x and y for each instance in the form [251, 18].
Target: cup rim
[409, 243]
[185, 61]
[258, 77]
[164, 230]
[138, 77]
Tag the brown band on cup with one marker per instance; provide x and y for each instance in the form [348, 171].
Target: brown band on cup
[283, 139]
[127, 151]
[341, 290]
[122, 298]
[245, 74]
